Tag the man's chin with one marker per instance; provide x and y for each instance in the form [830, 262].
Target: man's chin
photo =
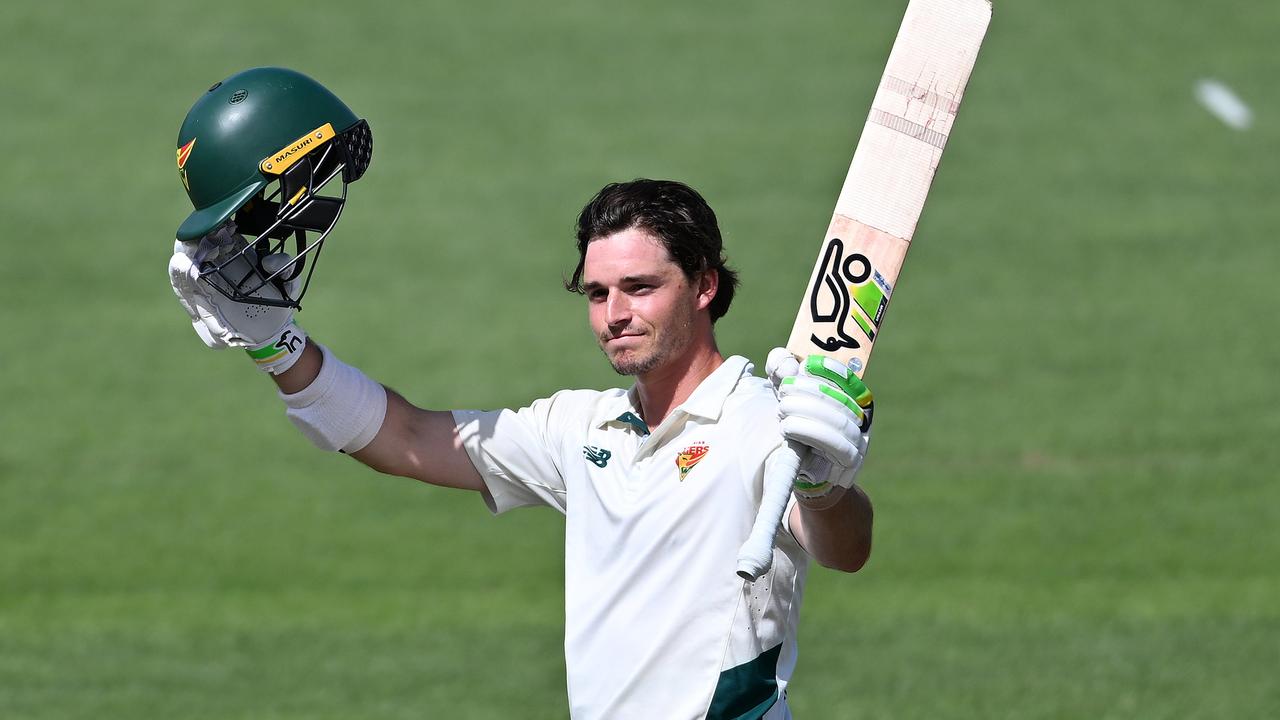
[630, 364]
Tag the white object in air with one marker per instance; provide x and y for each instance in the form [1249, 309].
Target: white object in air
[1225, 105]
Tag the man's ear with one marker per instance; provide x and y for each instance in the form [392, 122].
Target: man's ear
[708, 283]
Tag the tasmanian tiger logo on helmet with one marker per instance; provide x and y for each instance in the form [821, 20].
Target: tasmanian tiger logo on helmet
[184, 152]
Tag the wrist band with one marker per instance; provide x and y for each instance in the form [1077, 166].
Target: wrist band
[342, 409]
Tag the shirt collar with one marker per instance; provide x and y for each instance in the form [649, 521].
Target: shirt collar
[706, 401]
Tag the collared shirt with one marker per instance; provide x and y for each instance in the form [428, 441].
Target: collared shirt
[657, 623]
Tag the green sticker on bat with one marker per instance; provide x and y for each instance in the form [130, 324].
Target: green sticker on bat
[872, 298]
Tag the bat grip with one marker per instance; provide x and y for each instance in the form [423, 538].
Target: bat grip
[756, 555]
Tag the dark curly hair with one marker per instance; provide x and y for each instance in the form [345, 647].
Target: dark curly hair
[671, 211]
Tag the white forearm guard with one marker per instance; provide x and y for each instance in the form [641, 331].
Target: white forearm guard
[342, 409]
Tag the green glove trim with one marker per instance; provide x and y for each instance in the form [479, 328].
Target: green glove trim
[843, 400]
[278, 355]
[851, 384]
[836, 395]
[265, 353]
[803, 486]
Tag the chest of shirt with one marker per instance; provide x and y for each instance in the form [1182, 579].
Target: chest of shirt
[692, 466]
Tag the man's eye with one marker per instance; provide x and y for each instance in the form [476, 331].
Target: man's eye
[641, 288]
[597, 295]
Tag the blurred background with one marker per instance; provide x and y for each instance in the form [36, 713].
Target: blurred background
[1075, 445]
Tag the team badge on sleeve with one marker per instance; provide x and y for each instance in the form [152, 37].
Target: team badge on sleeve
[690, 456]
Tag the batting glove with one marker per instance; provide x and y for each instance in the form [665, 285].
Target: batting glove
[266, 332]
[825, 407]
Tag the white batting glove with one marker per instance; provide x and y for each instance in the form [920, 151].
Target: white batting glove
[267, 333]
[827, 408]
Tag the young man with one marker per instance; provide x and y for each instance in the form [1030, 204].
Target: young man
[659, 483]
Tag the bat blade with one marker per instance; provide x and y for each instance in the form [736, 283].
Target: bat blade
[875, 218]
[884, 192]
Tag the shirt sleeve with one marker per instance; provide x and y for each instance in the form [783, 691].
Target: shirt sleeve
[517, 454]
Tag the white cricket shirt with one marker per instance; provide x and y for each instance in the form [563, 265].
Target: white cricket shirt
[657, 623]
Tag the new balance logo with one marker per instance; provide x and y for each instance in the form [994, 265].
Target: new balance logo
[596, 456]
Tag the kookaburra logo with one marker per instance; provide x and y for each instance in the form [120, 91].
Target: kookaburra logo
[842, 286]
[288, 341]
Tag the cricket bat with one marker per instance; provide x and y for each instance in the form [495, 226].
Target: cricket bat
[875, 217]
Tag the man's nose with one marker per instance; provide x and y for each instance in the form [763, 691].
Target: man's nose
[617, 308]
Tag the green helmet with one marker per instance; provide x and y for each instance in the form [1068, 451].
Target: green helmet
[254, 153]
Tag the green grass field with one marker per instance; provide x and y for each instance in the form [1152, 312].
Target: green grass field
[1077, 400]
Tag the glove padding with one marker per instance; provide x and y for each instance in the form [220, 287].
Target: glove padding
[825, 407]
[222, 322]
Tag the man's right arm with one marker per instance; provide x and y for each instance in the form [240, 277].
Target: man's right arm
[412, 442]
[345, 409]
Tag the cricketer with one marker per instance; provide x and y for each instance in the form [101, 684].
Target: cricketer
[659, 483]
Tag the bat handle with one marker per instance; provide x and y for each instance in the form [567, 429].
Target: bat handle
[756, 554]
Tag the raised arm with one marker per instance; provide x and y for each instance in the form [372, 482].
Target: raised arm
[335, 405]
[409, 442]
[826, 408]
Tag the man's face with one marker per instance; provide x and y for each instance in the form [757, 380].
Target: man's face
[643, 310]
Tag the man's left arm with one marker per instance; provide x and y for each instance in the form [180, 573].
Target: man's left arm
[825, 407]
[836, 534]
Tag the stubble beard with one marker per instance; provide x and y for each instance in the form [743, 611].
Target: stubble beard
[665, 346]
[638, 365]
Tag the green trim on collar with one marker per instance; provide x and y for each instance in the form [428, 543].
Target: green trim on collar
[634, 421]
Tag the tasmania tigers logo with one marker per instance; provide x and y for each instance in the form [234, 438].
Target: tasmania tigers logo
[690, 456]
[184, 152]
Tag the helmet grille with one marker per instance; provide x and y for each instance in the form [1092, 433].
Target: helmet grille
[357, 141]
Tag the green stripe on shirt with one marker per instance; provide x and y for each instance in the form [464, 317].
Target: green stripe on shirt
[746, 692]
